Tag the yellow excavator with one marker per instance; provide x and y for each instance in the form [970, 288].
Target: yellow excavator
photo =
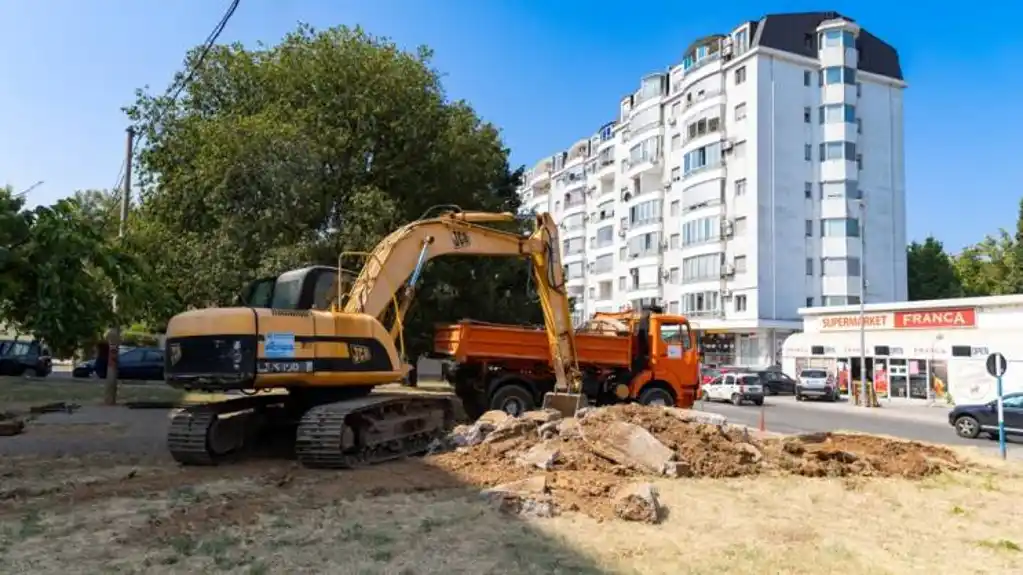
[298, 331]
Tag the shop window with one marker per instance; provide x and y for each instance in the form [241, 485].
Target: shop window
[881, 350]
[962, 351]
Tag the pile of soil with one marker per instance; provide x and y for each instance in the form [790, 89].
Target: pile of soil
[497, 450]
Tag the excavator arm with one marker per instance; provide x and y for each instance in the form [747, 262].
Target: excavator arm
[396, 264]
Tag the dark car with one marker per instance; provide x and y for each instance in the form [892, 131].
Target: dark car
[87, 368]
[139, 363]
[776, 382]
[970, 421]
[24, 358]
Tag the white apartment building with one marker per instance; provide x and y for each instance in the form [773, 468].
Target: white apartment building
[734, 187]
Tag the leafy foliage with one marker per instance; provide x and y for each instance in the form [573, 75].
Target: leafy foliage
[930, 271]
[283, 156]
[57, 272]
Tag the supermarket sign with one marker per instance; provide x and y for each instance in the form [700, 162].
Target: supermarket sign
[948, 318]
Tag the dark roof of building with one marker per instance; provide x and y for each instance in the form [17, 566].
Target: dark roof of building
[797, 33]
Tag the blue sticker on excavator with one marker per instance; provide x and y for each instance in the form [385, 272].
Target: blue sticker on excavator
[279, 345]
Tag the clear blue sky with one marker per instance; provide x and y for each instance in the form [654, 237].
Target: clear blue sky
[547, 72]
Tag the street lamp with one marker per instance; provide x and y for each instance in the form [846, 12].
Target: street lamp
[25, 192]
[863, 299]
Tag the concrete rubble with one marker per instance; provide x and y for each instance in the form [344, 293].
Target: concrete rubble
[637, 502]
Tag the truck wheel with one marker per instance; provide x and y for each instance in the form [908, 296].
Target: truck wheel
[656, 396]
[512, 399]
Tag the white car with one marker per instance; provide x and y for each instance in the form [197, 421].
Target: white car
[816, 383]
[736, 387]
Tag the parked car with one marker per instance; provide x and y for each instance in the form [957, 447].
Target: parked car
[776, 382]
[24, 358]
[815, 383]
[735, 387]
[139, 363]
[970, 421]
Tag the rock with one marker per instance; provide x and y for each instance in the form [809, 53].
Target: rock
[677, 469]
[494, 417]
[568, 428]
[541, 455]
[637, 502]
[583, 412]
[468, 435]
[548, 430]
[631, 445]
[693, 416]
[542, 416]
[10, 427]
[750, 453]
[527, 497]
[511, 428]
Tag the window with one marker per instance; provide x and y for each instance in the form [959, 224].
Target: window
[676, 174]
[739, 150]
[1012, 401]
[840, 267]
[806, 77]
[700, 231]
[603, 264]
[740, 226]
[836, 114]
[809, 228]
[702, 127]
[605, 290]
[837, 151]
[676, 141]
[839, 75]
[740, 112]
[647, 212]
[808, 190]
[699, 268]
[840, 227]
[701, 303]
[859, 161]
[806, 114]
[622, 253]
[675, 108]
[740, 75]
[859, 125]
[673, 241]
[574, 270]
[809, 302]
[673, 275]
[673, 307]
[809, 266]
[573, 246]
[832, 300]
[740, 187]
[606, 210]
[708, 156]
[605, 236]
[673, 209]
[647, 244]
[573, 222]
[808, 152]
[740, 264]
[740, 303]
[840, 189]
[621, 283]
[859, 90]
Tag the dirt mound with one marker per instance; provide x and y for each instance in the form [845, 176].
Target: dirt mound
[588, 459]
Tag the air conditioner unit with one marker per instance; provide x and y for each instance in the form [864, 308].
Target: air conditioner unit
[726, 50]
[727, 270]
[727, 145]
[672, 121]
[666, 183]
[586, 217]
[727, 228]
[726, 293]
[665, 274]
[621, 233]
[664, 245]
[626, 196]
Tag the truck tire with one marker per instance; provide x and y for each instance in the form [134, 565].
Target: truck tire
[513, 399]
[656, 395]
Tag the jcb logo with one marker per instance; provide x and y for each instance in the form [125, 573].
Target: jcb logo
[360, 354]
[459, 239]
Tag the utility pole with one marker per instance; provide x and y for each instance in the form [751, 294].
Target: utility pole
[864, 400]
[114, 335]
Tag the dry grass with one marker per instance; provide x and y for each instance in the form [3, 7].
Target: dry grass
[101, 513]
[16, 393]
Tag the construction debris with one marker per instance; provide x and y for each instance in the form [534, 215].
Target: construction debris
[594, 462]
[10, 424]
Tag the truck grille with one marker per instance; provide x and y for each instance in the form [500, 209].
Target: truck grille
[210, 355]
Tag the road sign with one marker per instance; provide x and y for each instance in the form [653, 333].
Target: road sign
[996, 364]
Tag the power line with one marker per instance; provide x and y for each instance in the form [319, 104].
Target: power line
[179, 86]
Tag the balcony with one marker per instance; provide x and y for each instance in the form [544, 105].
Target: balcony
[643, 165]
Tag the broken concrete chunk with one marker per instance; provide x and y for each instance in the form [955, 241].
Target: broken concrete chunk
[494, 417]
[524, 497]
[468, 435]
[677, 469]
[511, 428]
[693, 416]
[541, 455]
[568, 428]
[631, 445]
[750, 453]
[637, 502]
[583, 412]
[548, 430]
[542, 416]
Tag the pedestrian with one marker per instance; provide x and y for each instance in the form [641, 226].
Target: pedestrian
[102, 359]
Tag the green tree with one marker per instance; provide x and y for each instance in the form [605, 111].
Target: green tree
[57, 272]
[282, 156]
[986, 268]
[930, 272]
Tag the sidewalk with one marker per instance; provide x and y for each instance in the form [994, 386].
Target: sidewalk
[936, 413]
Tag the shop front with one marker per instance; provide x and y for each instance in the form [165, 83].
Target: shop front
[927, 351]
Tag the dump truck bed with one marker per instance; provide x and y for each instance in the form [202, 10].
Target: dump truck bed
[470, 342]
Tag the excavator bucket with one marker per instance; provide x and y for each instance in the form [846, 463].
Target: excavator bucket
[565, 402]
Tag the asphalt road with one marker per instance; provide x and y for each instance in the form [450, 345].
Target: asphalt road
[782, 415]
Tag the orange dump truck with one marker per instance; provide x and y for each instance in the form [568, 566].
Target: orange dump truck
[649, 357]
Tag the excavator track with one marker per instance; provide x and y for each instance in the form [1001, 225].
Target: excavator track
[370, 430]
[202, 435]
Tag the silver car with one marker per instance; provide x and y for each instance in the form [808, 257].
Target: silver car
[815, 383]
